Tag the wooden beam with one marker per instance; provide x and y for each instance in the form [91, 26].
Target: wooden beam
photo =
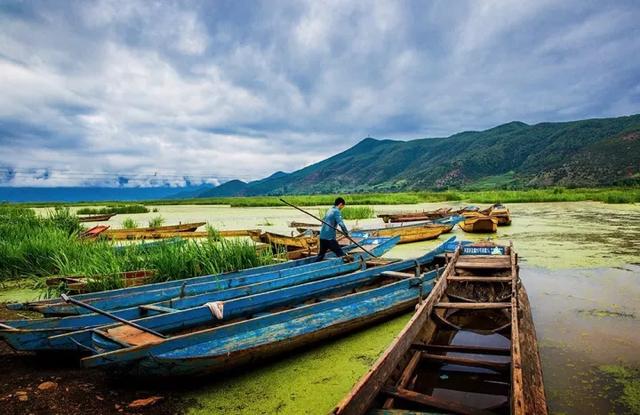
[427, 400]
[480, 279]
[407, 373]
[483, 265]
[473, 306]
[463, 361]
[461, 298]
[462, 349]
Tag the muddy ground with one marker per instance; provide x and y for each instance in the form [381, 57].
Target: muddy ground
[40, 384]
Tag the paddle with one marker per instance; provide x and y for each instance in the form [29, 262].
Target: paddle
[332, 227]
[68, 299]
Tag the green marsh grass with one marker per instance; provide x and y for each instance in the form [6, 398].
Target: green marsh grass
[353, 212]
[129, 223]
[156, 222]
[113, 209]
[33, 246]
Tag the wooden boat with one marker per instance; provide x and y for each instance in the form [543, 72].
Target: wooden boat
[94, 231]
[499, 212]
[479, 224]
[78, 284]
[207, 350]
[407, 234]
[96, 218]
[304, 225]
[231, 233]
[114, 299]
[284, 242]
[125, 233]
[51, 333]
[470, 348]
[415, 216]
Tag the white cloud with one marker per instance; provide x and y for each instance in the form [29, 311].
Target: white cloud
[161, 90]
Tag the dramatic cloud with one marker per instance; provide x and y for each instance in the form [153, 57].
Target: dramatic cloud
[139, 92]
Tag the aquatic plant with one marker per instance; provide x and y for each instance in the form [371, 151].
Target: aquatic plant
[129, 223]
[156, 222]
[113, 209]
[35, 246]
[353, 212]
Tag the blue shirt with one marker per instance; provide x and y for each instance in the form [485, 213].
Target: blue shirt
[333, 218]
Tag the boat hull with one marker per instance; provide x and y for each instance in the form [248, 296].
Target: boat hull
[479, 224]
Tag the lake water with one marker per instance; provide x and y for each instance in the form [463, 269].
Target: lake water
[580, 263]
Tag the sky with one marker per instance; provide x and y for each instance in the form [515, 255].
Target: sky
[138, 93]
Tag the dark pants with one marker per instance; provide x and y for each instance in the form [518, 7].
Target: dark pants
[329, 244]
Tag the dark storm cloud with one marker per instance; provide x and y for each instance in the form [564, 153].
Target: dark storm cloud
[135, 92]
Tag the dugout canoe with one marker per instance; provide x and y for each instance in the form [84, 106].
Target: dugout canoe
[125, 297]
[122, 233]
[247, 341]
[96, 218]
[470, 348]
[230, 233]
[415, 216]
[499, 212]
[217, 313]
[407, 234]
[479, 224]
[283, 242]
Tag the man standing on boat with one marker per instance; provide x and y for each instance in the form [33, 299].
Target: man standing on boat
[328, 233]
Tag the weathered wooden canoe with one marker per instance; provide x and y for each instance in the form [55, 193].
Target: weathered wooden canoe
[499, 212]
[131, 233]
[479, 224]
[284, 242]
[94, 231]
[469, 349]
[35, 335]
[304, 225]
[231, 233]
[407, 234]
[242, 342]
[415, 216]
[78, 284]
[96, 218]
[216, 313]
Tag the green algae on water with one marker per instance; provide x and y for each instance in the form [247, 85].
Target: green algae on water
[311, 381]
[629, 380]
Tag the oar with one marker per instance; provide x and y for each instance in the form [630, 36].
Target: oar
[68, 299]
[332, 227]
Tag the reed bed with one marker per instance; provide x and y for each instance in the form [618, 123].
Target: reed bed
[113, 209]
[353, 212]
[33, 246]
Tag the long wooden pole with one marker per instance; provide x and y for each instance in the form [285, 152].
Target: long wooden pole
[332, 227]
[89, 307]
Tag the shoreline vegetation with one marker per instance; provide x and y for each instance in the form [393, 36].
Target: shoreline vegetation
[33, 246]
[556, 194]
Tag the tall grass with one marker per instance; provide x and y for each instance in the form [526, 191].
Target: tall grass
[353, 212]
[37, 246]
[156, 222]
[113, 209]
[129, 223]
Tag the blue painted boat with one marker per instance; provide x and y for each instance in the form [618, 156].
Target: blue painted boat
[38, 335]
[146, 294]
[212, 313]
[221, 348]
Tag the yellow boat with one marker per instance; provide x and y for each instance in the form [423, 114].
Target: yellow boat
[479, 224]
[129, 233]
[407, 234]
[499, 212]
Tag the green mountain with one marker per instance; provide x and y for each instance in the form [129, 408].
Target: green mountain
[589, 153]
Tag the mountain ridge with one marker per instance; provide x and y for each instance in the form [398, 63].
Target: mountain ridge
[514, 154]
